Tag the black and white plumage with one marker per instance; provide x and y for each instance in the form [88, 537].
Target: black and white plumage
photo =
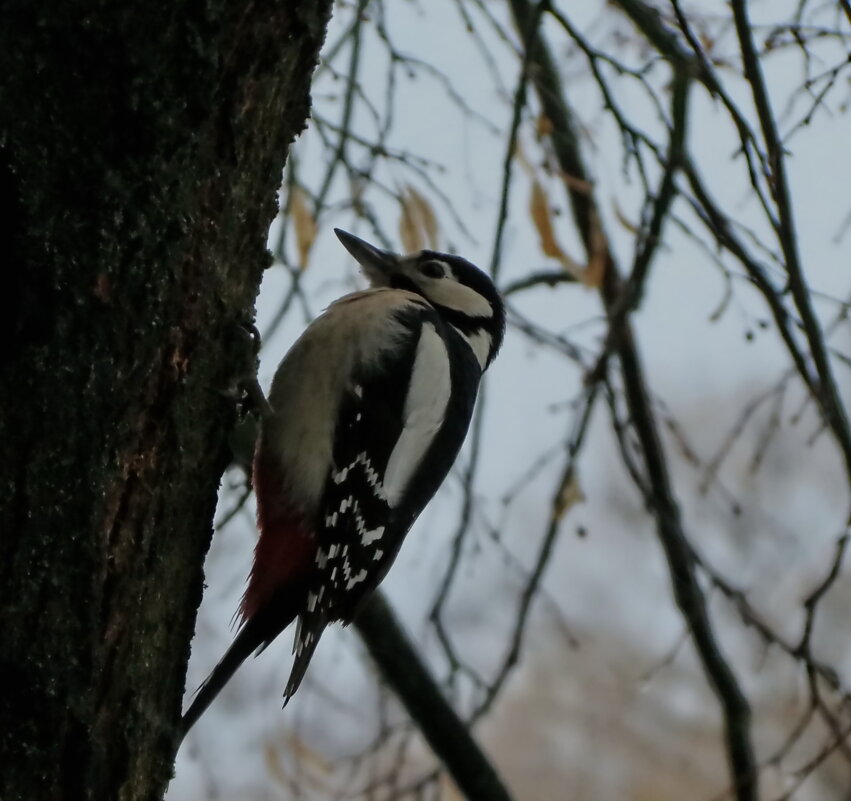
[369, 409]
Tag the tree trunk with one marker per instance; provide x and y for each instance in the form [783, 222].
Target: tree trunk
[141, 145]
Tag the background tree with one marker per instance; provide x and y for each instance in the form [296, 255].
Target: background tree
[140, 148]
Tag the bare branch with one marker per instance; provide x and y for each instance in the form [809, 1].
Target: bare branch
[686, 589]
[445, 732]
[827, 394]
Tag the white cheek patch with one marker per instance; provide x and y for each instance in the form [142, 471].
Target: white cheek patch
[425, 409]
[480, 343]
[458, 297]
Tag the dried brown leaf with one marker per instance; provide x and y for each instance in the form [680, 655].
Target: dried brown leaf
[598, 256]
[539, 208]
[409, 231]
[623, 219]
[569, 494]
[304, 224]
[424, 215]
[543, 126]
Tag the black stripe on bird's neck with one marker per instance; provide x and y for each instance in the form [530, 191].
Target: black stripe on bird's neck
[463, 322]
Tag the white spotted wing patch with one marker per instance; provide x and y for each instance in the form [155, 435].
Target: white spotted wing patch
[352, 528]
[352, 580]
[371, 474]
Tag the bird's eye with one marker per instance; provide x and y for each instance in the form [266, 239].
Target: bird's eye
[432, 269]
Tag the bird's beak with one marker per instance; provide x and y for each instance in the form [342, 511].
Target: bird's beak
[378, 265]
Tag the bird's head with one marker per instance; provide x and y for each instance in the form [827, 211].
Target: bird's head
[460, 292]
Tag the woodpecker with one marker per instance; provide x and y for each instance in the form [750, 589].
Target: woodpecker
[366, 415]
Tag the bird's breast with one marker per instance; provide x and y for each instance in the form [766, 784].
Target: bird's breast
[355, 333]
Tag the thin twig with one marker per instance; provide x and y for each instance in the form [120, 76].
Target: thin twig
[446, 733]
[827, 394]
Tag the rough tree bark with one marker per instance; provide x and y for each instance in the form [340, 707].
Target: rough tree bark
[141, 145]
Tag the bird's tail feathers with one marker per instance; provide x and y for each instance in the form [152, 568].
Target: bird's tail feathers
[310, 628]
[255, 634]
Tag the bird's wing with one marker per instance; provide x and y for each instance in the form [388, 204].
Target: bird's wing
[391, 412]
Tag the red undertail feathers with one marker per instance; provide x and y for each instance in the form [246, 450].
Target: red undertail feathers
[277, 587]
[283, 555]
